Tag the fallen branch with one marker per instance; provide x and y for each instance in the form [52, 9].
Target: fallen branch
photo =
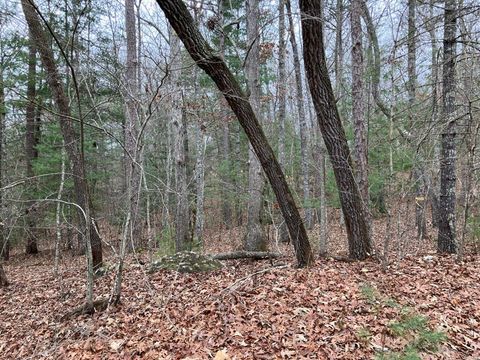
[239, 282]
[85, 309]
[255, 255]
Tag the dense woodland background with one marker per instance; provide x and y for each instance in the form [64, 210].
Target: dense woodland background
[116, 147]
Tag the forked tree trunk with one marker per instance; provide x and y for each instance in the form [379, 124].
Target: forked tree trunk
[255, 239]
[304, 138]
[332, 130]
[72, 140]
[181, 20]
[446, 225]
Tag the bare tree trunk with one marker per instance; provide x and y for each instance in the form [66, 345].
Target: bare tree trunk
[255, 239]
[201, 144]
[332, 130]
[4, 243]
[434, 78]
[181, 20]
[358, 101]
[339, 49]
[30, 149]
[226, 147]
[73, 143]
[418, 170]
[446, 226]
[182, 220]
[58, 238]
[304, 141]
[132, 121]
[3, 277]
[281, 96]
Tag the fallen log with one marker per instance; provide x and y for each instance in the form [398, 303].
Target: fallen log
[255, 255]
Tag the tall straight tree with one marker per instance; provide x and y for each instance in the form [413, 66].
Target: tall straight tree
[418, 171]
[332, 130]
[446, 223]
[302, 119]
[281, 96]
[4, 244]
[255, 239]
[30, 147]
[73, 142]
[183, 23]
[132, 146]
[339, 48]
[179, 132]
[358, 100]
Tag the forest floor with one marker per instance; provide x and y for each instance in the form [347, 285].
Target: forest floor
[247, 310]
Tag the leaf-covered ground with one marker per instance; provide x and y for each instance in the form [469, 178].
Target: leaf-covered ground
[335, 310]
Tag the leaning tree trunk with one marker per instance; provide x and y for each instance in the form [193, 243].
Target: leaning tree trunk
[332, 130]
[358, 101]
[446, 223]
[182, 219]
[300, 101]
[72, 140]
[181, 20]
[255, 239]
[30, 150]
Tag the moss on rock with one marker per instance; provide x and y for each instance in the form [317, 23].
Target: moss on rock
[186, 262]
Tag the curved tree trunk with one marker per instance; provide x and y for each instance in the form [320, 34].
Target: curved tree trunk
[332, 131]
[181, 20]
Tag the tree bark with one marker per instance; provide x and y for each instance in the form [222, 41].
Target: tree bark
[446, 225]
[132, 121]
[332, 130]
[182, 218]
[281, 96]
[181, 20]
[4, 243]
[304, 140]
[30, 149]
[72, 140]
[339, 49]
[358, 101]
[255, 239]
[3, 277]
